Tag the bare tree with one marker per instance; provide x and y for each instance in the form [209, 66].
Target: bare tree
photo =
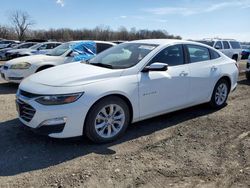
[21, 21]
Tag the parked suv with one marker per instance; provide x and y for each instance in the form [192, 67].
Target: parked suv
[229, 47]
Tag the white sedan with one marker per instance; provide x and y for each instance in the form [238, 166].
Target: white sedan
[130, 82]
[17, 69]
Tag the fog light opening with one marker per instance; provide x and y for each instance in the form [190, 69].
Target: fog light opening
[54, 121]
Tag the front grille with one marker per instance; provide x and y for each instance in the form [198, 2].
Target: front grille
[28, 94]
[26, 112]
[5, 67]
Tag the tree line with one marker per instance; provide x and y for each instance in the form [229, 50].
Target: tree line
[21, 23]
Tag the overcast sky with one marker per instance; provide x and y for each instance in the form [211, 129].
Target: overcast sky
[191, 19]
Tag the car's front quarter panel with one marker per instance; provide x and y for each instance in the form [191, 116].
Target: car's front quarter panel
[76, 112]
[126, 86]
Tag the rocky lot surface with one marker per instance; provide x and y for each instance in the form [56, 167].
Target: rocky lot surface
[195, 147]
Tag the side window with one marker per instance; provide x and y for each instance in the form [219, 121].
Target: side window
[235, 44]
[214, 54]
[43, 47]
[218, 45]
[172, 55]
[198, 53]
[226, 45]
[102, 46]
[50, 46]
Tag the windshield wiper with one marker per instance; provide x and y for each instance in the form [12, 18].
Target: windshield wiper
[102, 65]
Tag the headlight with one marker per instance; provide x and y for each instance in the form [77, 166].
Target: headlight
[23, 65]
[58, 99]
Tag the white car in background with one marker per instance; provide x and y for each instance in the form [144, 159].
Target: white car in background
[130, 82]
[40, 48]
[17, 47]
[17, 69]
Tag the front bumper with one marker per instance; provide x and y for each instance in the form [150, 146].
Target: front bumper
[15, 75]
[74, 113]
[46, 130]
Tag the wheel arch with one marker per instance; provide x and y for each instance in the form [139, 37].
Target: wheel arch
[123, 97]
[235, 55]
[228, 79]
[42, 67]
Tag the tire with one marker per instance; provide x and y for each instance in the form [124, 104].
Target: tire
[104, 129]
[235, 57]
[220, 94]
[248, 75]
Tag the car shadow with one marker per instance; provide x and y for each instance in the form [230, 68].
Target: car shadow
[8, 88]
[24, 151]
[244, 82]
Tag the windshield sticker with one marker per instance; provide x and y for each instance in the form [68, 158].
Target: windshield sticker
[146, 47]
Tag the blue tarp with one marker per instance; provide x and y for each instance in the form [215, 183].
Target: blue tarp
[86, 50]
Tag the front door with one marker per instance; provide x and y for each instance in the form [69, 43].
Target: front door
[162, 91]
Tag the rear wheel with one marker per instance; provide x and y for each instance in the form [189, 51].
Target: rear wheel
[107, 120]
[220, 94]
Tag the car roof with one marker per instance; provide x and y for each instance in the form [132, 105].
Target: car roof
[49, 42]
[166, 42]
[96, 41]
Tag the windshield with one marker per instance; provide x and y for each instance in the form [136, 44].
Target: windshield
[35, 46]
[209, 43]
[60, 50]
[6, 42]
[122, 56]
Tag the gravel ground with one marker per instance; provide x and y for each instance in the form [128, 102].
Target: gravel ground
[195, 147]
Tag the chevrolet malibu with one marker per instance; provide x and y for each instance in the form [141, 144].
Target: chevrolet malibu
[130, 82]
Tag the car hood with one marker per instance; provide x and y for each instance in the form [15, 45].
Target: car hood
[73, 74]
[35, 59]
[18, 50]
[5, 50]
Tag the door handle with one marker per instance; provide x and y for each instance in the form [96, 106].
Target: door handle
[214, 68]
[183, 73]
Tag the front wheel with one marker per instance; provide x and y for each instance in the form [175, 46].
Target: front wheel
[107, 120]
[220, 94]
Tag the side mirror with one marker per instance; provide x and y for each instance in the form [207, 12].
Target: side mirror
[73, 54]
[156, 67]
[217, 47]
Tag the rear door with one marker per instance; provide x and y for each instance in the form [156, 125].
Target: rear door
[204, 71]
[226, 49]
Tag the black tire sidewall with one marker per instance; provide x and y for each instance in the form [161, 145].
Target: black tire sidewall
[89, 126]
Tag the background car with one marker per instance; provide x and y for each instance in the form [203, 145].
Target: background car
[17, 69]
[245, 51]
[229, 47]
[20, 46]
[248, 68]
[130, 82]
[8, 43]
[40, 48]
